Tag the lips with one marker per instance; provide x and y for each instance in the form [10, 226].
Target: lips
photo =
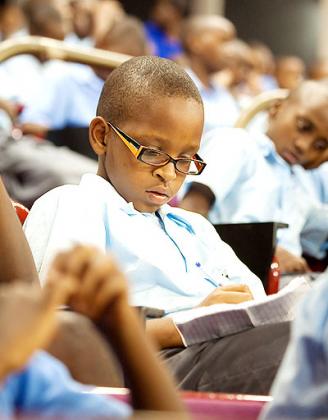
[290, 157]
[159, 191]
[158, 195]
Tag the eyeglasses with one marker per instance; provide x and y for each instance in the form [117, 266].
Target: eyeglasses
[155, 157]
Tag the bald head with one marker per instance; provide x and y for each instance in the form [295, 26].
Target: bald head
[237, 51]
[319, 69]
[197, 25]
[311, 92]
[126, 36]
[135, 85]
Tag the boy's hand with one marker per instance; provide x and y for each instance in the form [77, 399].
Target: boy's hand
[101, 285]
[27, 321]
[232, 293]
[290, 263]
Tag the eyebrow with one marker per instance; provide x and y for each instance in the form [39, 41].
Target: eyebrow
[159, 140]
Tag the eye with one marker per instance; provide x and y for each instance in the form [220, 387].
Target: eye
[320, 144]
[303, 125]
[153, 152]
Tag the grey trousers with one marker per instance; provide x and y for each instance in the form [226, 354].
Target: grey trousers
[246, 362]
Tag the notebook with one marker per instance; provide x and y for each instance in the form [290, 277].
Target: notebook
[209, 322]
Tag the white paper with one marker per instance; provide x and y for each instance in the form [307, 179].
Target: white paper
[215, 321]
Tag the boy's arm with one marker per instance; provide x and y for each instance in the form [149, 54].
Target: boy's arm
[290, 263]
[163, 331]
[102, 295]
[16, 261]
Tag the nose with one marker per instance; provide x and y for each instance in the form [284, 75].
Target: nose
[303, 144]
[167, 172]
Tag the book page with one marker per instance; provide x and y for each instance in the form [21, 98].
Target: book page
[209, 322]
[281, 306]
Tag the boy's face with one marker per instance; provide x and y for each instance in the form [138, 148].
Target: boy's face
[299, 130]
[173, 125]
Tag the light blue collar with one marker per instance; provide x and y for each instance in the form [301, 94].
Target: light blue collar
[97, 183]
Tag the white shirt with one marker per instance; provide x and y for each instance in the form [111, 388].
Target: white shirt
[220, 107]
[173, 259]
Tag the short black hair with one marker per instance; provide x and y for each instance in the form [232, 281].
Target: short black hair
[140, 81]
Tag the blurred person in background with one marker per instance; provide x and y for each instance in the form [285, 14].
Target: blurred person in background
[21, 75]
[264, 63]
[203, 37]
[90, 19]
[319, 69]
[12, 20]
[264, 176]
[82, 22]
[290, 71]
[69, 99]
[238, 74]
[164, 26]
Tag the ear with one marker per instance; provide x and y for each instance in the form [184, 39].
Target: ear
[98, 132]
[274, 108]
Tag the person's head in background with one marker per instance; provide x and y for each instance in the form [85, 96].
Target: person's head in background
[202, 38]
[264, 64]
[82, 17]
[319, 69]
[237, 59]
[125, 36]
[298, 125]
[290, 71]
[12, 18]
[44, 19]
[154, 102]
[263, 58]
[168, 14]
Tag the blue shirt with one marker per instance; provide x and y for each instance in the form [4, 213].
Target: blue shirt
[251, 182]
[162, 44]
[300, 390]
[319, 178]
[297, 204]
[173, 259]
[68, 96]
[44, 388]
[220, 107]
[245, 189]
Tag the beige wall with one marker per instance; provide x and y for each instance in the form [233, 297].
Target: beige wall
[323, 29]
[208, 6]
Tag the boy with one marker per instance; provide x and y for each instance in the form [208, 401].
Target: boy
[28, 320]
[68, 96]
[93, 285]
[266, 173]
[203, 37]
[147, 133]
